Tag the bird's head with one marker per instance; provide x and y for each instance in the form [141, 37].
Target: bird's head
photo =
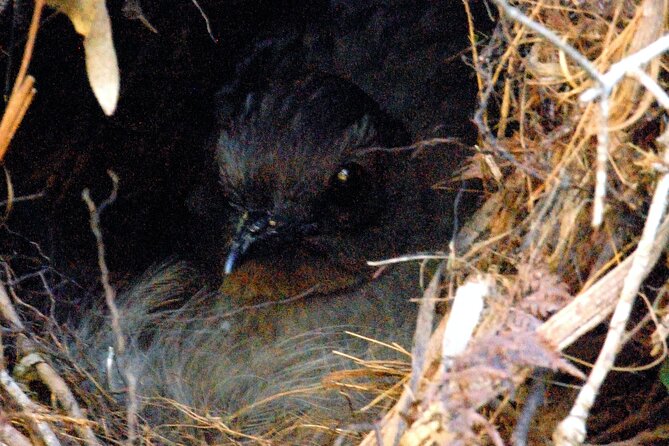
[307, 190]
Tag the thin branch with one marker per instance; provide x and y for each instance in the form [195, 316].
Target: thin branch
[206, 20]
[629, 66]
[110, 293]
[9, 434]
[11, 386]
[419, 353]
[31, 359]
[16, 109]
[601, 162]
[23, 91]
[517, 15]
[572, 430]
[29, 407]
[110, 298]
[30, 44]
[652, 86]
[31, 197]
[60, 389]
[410, 258]
[625, 67]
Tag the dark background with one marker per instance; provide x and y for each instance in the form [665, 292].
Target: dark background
[407, 55]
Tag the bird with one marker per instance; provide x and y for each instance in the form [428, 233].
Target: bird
[312, 189]
[310, 197]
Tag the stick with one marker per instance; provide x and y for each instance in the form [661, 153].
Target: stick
[571, 431]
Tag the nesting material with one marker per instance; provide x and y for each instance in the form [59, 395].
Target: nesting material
[572, 158]
[571, 152]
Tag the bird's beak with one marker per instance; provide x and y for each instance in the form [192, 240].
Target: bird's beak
[250, 229]
[234, 254]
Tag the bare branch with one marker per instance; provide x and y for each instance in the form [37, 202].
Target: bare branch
[15, 391]
[517, 15]
[629, 66]
[110, 298]
[110, 293]
[571, 431]
[10, 435]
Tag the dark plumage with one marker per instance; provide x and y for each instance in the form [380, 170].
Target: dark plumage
[313, 191]
[312, 194]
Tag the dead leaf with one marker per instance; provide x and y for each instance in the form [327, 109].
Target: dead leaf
[91, 20]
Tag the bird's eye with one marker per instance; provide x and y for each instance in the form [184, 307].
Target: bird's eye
[271, 222]
[347, 182]
[348, 176]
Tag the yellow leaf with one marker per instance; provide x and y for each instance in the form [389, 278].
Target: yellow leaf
[91, 20]
[81, 12]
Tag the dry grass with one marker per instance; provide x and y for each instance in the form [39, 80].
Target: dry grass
[548, 275]
[538, 159]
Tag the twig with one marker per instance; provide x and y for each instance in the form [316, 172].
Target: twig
[23, 91]
[652, 86]
[206, 20]
[625, 67]
[14, 112]
[572, 430]
[11, 387]
[410, 258]
[110, 293]
[30, 197]
[601, 161]
[472, 44]
[28, 406]
[59, 387]
[419, 351]
[30, 44]
[424, 328]
[30, 358]
[417, 147]
[439, 346]
[517, 15]
[9, 434]
[629, 66]
[110, 298]
[464, 317]
[532, 404]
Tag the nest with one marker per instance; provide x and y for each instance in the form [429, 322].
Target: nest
[569, 159]
[572, 158]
